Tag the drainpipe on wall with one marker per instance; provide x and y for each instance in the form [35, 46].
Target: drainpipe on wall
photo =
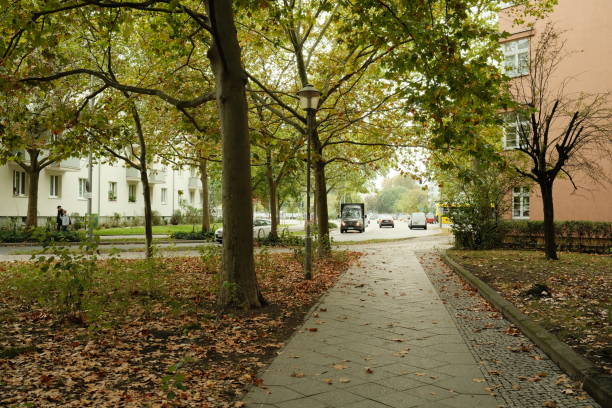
[173, 171]
[99, 184]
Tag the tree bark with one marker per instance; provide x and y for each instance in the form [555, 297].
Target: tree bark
[33, 172]
[205, 201]
[272, 191]
[550, 245]
[148, 213]
[238, 282]
[144, 178]
[324, 246]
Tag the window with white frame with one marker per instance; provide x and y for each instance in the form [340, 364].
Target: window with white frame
[192, 196]
[112, 191]
[516, 57]
[132, 193]
[19, 183]
[55, 185]
[516, 128]
[82, 188]
[520, 202]
[192, 172]
[164, 195]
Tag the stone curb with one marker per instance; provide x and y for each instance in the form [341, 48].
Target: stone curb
[598, 385]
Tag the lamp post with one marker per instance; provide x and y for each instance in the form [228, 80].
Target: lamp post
[309, 101]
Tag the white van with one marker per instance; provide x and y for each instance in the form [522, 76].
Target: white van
[418, 220]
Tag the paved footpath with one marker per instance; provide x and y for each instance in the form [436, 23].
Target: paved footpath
[382, 337]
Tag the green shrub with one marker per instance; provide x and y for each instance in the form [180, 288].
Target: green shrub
[176, 218]
[194, 235]
[332, 225]
[15, 235]
[285, 239]
[475, 227]
[156, 219]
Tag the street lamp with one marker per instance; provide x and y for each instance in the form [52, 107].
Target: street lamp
[309, 101]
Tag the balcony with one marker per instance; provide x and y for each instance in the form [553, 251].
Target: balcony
[70, 164]
[195, 183]
[157, 176]
[132, 174]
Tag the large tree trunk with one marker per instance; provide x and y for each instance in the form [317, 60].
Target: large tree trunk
[205, 201]
[33, 173]
[324, 245]
[238, 282]
[272, 195]
[550, 245]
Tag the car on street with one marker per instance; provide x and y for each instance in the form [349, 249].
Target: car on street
[431, 218]
[417, 220]
[261, 229]
[386, 221]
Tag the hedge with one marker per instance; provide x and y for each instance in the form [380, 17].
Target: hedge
[579, 236]
[15, 235]
[195, 235]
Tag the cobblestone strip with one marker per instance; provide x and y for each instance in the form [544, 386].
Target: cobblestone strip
[516, 370]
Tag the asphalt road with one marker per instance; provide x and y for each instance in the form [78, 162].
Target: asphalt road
[373, 231]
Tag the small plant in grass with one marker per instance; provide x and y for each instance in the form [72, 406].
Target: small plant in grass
[70, 276]
[211, 257]
[264, 264]
[78, 287]
[173, 381]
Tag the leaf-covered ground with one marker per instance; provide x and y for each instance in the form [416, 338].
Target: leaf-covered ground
[166, 348]
[579, 307]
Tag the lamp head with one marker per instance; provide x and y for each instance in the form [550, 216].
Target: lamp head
[309, 97]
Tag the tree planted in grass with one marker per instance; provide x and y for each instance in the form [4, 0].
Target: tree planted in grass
[560, 133]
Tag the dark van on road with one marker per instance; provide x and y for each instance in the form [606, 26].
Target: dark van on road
[352, 217]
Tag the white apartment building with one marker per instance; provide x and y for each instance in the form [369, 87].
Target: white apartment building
[115, 190]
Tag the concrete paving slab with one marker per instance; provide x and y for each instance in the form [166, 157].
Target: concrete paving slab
[385, 339]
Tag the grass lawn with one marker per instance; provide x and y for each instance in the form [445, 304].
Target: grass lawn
[157, 229]
[145, 333]
[580, 309]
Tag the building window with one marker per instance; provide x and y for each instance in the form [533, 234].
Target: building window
[516, 57]
[164, 195]
[192, 172]
[55, 186]
[520, 202]
[83, 188]
[112, 191]
[192, 196]
[19, 183]
[132, 193]
[516, 129]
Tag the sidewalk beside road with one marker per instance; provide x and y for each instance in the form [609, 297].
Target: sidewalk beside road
[382, 337]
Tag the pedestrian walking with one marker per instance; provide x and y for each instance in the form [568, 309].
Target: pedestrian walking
[65, 220]
[58, 218]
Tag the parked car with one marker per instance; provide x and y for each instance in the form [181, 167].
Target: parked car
[417, 220]
[386, 222]
[431, 218]
[261, 229]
